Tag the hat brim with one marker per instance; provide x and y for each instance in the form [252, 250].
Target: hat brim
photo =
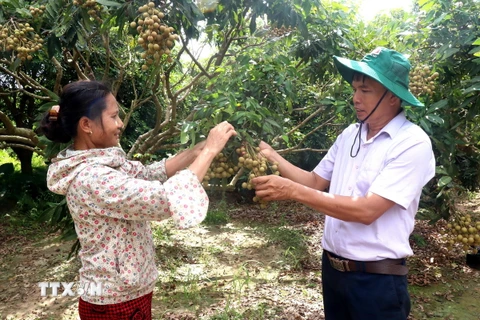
[348, 67]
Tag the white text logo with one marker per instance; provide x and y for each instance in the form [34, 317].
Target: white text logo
[69, 289]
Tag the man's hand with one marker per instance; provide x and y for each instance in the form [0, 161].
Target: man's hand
[272, 187]
[266, 151]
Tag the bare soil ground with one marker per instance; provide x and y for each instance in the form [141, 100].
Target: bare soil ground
[240, 269]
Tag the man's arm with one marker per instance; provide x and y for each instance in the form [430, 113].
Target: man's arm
[364, 210]
[292, 172]
[400, 182]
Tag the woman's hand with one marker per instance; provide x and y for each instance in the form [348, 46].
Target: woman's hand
[215, 142]
[198, 148]
[219, 136]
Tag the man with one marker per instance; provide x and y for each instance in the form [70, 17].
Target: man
[375, 172]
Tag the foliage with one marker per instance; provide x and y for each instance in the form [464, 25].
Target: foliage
[22, 192]
[6, 169]
[450, 118]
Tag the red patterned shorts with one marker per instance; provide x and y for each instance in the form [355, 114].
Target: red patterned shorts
[137, 309]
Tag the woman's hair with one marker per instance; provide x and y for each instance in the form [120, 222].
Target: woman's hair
[78, 99]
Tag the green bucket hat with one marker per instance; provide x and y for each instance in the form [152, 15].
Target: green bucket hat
[386, 66]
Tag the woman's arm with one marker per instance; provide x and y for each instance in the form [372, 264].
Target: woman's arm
[183, 159]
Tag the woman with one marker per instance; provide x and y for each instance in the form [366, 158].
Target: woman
[112, 199]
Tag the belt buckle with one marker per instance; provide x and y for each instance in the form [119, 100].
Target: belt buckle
[340, 265]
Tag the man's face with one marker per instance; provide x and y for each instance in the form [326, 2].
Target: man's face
[367, 93]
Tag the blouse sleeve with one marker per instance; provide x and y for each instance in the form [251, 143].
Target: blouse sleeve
[116, 194]
[154, 171]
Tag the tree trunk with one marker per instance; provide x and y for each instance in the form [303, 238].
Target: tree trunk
[25, 158]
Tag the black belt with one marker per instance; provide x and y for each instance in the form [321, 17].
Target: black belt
[388, 266]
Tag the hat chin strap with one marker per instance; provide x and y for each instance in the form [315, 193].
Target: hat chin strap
[359, 133]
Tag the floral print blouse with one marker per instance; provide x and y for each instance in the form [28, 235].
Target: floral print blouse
[112, 200]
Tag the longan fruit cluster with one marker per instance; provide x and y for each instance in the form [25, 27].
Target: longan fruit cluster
[21, 39]
[37, 11]
[464, 231]
[93, 8]
[279, 32]
[422, 81]
[256, 165]
[154, 36]
[221, 167]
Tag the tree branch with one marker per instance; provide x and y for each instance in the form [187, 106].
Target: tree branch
[195, 61]
[58, 78]
[294, 150]
[4, 145]
[106, 45]
[301, 124]
[75, 65]
[9, 126]
[14, 138]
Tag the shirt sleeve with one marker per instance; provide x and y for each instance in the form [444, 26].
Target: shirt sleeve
[116, 194]
[410, 166]
[154, 171]
[325, 168]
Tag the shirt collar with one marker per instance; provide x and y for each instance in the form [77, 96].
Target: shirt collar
[392, 128]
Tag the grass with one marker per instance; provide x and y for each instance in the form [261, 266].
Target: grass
[446, 300]
[222, 263]
[258, 312]
[217, 215]
[292, 241]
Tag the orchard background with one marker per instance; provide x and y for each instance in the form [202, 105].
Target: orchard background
[178, 68]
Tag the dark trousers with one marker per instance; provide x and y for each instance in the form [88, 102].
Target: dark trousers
[363, 296]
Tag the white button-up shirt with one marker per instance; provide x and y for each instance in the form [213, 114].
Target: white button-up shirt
[395, 164]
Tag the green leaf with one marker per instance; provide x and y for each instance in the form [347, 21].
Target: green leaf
[474, 50]
[267, 128]
[449, 52]
[53, 45]
[273, 123]
[439, 19]
[443, 181]
[440, 170]
[109, 3]
[438, 105]
[15, 64]
[475, 87]
[24, 12]
[52, 10]
[426, 125]
[184, 137]
[435, 119]
[339, 106]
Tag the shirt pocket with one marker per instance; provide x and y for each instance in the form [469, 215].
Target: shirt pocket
[369, 171]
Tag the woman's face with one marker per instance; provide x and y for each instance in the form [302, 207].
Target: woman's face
[106, 131]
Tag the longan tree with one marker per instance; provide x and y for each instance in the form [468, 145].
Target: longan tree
[143, 48]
